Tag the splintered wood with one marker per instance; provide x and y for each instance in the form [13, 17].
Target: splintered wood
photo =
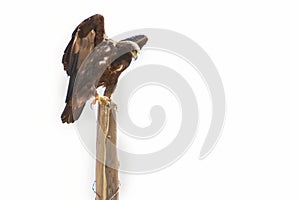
[107, 182]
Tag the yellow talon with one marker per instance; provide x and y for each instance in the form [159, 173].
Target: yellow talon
[102, 99]
[105, 100]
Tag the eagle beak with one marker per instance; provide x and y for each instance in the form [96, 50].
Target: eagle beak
[134, 54]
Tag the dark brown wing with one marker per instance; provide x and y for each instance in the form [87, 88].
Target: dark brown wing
[85, 37]
[87, 78]
[91, 71]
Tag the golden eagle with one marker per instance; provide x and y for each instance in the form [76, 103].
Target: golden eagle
[92, 60]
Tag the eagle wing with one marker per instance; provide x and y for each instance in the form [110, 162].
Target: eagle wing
[77, 50]
[91, 71]
[85, 37]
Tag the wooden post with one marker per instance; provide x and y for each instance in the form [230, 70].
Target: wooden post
[107, 181]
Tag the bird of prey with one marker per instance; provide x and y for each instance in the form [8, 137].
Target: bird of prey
[93, 60]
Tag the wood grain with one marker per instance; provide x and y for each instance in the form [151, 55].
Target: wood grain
[107, 164]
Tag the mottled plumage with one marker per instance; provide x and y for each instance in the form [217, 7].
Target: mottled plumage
[92, 60]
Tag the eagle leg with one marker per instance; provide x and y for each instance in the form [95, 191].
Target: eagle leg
[102, 100]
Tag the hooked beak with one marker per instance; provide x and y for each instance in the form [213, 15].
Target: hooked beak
[134, 54]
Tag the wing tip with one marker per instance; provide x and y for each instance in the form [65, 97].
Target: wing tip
[67, 115]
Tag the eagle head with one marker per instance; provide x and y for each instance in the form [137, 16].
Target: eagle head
[133, 44]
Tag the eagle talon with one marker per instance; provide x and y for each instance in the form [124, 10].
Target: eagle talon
[102, 100]
[105, 100]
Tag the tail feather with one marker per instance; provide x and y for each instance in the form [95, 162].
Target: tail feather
[71, 114]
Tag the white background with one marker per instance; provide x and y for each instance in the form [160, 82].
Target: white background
[255, 46]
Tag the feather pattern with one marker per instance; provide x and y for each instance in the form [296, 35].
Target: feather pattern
[92, 60]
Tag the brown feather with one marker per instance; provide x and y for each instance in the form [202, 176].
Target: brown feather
[83, 32]
[85, 37]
